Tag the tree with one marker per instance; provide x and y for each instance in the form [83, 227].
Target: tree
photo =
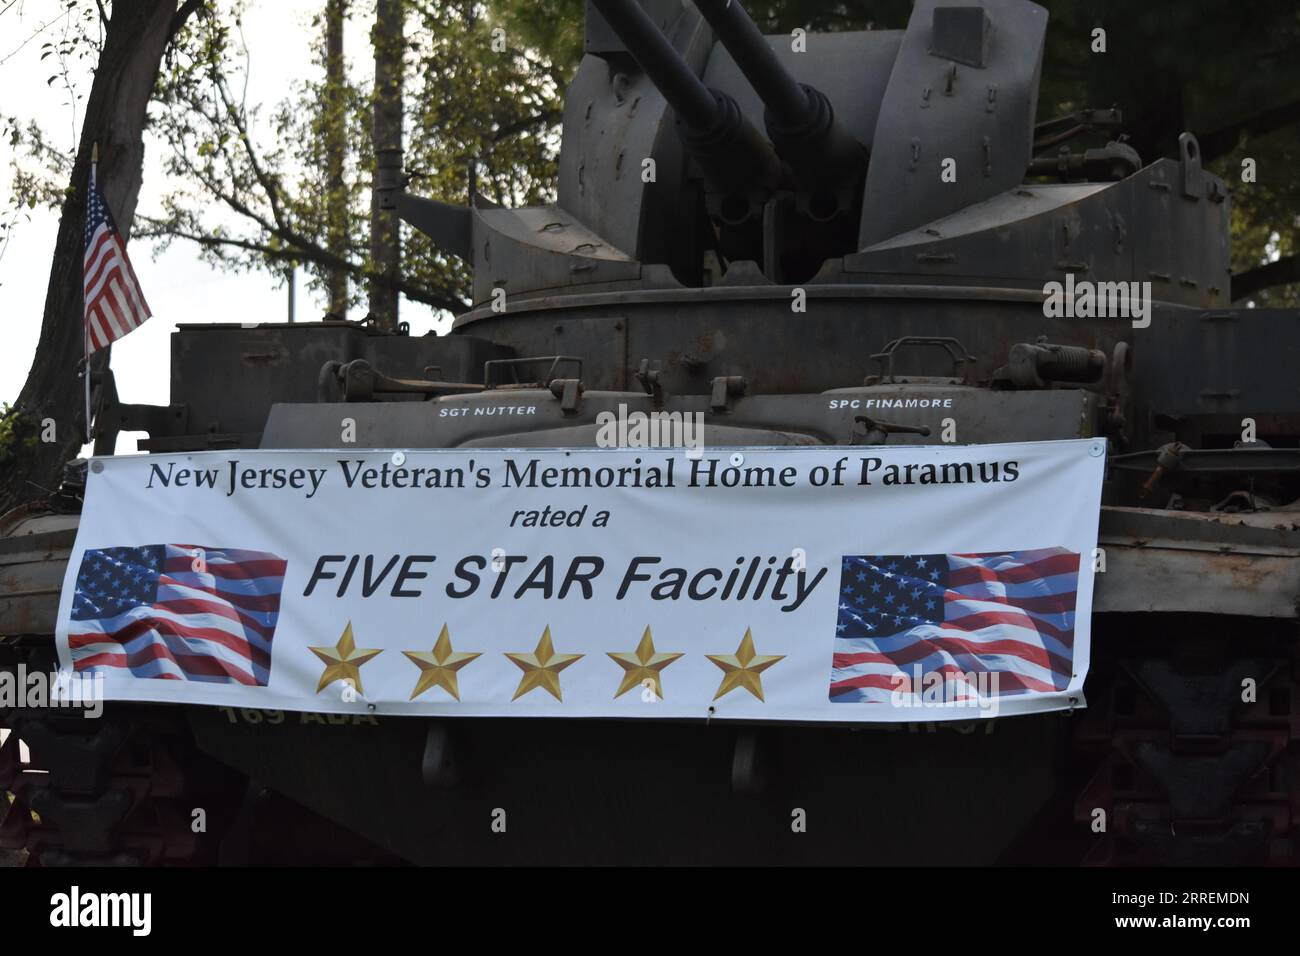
[334, 133]
[1226, 73]
[482, 112]
[388, 40]
[136, 34]
[281, 199]
[470, 106]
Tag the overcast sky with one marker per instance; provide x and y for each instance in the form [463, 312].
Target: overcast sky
[178, 286]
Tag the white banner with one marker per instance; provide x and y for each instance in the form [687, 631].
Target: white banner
[828, 584]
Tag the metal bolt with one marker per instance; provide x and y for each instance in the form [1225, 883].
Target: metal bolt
[398, 458]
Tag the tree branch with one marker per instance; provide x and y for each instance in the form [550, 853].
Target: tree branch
[308, 252]
[544, 118]
[187, 9]
[1281, 272]
[1222, 141]
[237, 205]
[268, 185]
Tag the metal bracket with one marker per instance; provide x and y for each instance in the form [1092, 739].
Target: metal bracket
[650, 375]
[111, 416]
[726, 387]
[568, 391]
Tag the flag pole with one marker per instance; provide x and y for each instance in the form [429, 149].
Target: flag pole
[85, 326]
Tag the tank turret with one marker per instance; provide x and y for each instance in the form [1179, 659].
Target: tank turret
[698, 152]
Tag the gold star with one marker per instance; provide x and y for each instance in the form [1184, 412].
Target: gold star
[343, 661]
[542, 667]
[742, 669]
[642, 665]
[438, 669]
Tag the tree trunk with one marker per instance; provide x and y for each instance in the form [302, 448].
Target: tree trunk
[385, 235]
[1222, 141]
[134, 41]
[1282, 272]
[336, 196]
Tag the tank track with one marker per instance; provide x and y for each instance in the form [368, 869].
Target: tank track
[118, 790]
[1186, 771]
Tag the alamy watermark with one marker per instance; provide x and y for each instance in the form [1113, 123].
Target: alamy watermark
[1098, 300]
[77, 908]
[636, 429]
[946, 690]
[40, 689]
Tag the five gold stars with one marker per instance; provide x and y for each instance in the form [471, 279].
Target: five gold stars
[542, 667]
[343, 661]
[742, 669]
[642, 665]
[438, 669]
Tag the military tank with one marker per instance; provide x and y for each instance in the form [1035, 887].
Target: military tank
[829, 239]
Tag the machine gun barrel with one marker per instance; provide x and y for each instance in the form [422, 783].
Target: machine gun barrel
[735, 157]
[799, 117]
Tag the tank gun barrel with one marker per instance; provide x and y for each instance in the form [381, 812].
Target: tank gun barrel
[780, 92]
[735, 157]
[799, 117]
[692, 101]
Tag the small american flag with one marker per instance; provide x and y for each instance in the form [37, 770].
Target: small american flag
[1010, 614]
[177, 612]
[114, 303]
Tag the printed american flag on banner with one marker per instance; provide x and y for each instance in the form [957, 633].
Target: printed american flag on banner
[177, 612]
[114, 302]
[1009, 614]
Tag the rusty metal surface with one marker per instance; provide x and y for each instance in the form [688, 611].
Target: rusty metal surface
[1246, 565]
[31, 576]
